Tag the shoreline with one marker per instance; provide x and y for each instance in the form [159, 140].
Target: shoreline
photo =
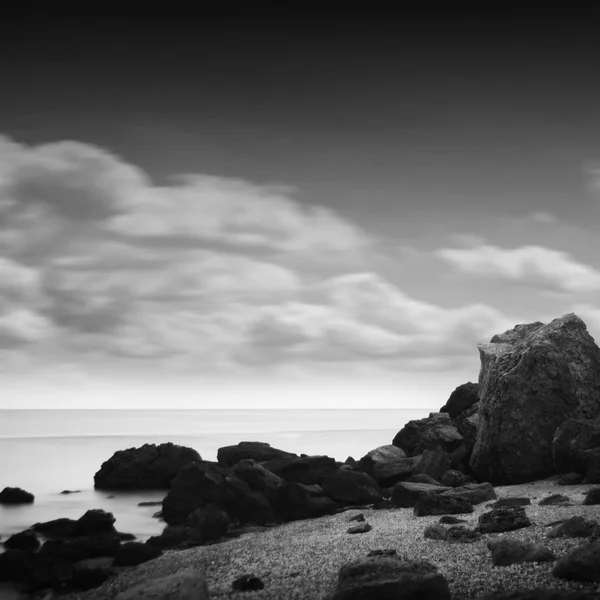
[300, 559]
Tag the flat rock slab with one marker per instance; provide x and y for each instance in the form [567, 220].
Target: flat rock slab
[475, 493]
[406, 494]
[508, 551]
[185, 585]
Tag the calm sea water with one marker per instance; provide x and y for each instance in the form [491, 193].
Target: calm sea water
[48, 451]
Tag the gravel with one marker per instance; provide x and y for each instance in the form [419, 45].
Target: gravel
[300, 560]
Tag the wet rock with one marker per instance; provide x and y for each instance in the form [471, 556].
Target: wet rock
[66, 492]
[308, 470]
[508, 551]
[91, 573]
[390, 579]
[15, 565]
[359, 517]
[15, 495]
[581, 564]
[592, 465]
[57, 528]
[147, 467]
[506, 518]
[176, 536]
[423, 478]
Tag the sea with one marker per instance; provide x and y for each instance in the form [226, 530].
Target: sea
[47, 452]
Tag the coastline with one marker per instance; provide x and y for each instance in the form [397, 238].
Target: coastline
[300, 559]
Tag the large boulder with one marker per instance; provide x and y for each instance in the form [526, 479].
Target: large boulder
[433, 463]
[438, 504]
[15, 495]
[532, 378]
[387, 464]
[571, 440]
[435, 432]
[506, 518]
[475, 493]
[308, 470]
[148, 467]
[510, 551]
[257, 451]
[461, 399]
[352, 487]
[580, 564]
[406, 494]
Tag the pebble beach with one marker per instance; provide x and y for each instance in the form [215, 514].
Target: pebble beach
[301, 559]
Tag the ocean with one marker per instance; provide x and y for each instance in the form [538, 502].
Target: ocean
[48, 451]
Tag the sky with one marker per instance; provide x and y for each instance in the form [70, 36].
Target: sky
[289, 210]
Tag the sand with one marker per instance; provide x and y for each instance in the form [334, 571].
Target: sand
[300, 560]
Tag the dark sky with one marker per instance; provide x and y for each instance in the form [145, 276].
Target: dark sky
[416, 109]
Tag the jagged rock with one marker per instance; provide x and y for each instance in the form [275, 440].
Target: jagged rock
[257, 477]
[509, 551]
[454, 478]
[592, 496]
[308, 470]
[351, 487]
[436, 432]
[435, 532]
[387, 464]
[475, 493]
[257, 451]
[503, 519]
[466, 423]
[461, 399]
[95, 522]
[572, 438]
[511, 501]
[184, 585]
[247, 583]
[532, 378]
[463, 535]
[570, 479]
[147, 467]
[382, 578]
[135, 553]
[438, 504]
[581, 564]
[575, 527]
[433, 463]
[554, 499]
[406, 494]
[14, 495]
[24, 540]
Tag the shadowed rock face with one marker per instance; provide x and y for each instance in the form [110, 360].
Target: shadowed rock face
[532, 378]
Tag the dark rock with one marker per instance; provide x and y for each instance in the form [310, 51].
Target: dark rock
[24, 540]
[532, 378]
[240, 502]
[435, 432]
[351, 487]
[506, 518]
[66, 492]
[450, 520]
[435, 532]
[423, 478]
[511, 501]
[135, 553]
[592, 465]
[571, 439]
[438, 504]
[57, 528]
[383, 505]
[248, 583]
[176, 536]
[125, 537]
[148, 467]
[257, 477]
[94, 522]
[508, 551]
[359, 517]
[541, 594]
[581, 564]
[158, 503]
[362, 528]
[91, 573]
[308, 470]
[182, 585]
[15, 565]
[554, 499]
[10, 495]
[387, 464]
[475, 493]
[454, 478]
[433, 463]
[466, 424]
[389, 579]
[228, 456]
[79, 548]
[211, 522]
[461, 399]
[575, 527]
[592, 497]
[460, 534]
[385, 552]
[570, 479]
[298, 501]
[406, 494]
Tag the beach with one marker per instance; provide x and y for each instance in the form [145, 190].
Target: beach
[300, 560]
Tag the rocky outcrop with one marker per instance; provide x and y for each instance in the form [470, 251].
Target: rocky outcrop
[571, 441]
[257, 451]
[461, 399]
[148, 467]
[14, 495]
[387, 464]
[532, 379]
[435, 432]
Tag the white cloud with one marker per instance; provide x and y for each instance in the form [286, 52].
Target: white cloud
[544, 217]
[534, 265]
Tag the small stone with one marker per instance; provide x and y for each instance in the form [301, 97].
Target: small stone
[362, 528]
[248, 583]
[358, 517]
[460, 534]
[592, 497]
[435, 532]
[554, 499]
[450, 520]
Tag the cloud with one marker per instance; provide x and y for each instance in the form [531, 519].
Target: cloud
[544, 217]
[533, 265]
